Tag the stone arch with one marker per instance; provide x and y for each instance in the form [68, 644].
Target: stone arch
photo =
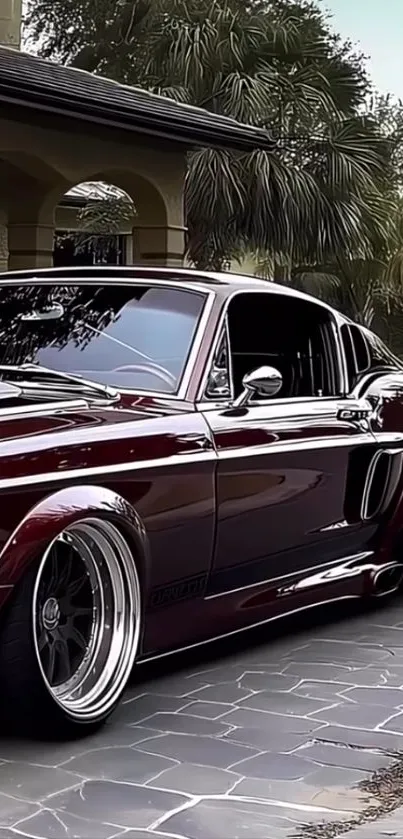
[148, 199]
[31, 189]
[158, 231]
[84, 229]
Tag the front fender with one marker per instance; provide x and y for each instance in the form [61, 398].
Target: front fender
[54, 513]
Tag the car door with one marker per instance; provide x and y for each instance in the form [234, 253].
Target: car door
[285, 464]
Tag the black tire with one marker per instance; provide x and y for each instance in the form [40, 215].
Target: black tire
[31, 704]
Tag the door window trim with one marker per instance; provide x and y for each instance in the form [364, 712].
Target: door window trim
[290, 401]
[204, 403]
[223, 338]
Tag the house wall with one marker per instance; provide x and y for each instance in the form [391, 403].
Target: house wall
[42, 158]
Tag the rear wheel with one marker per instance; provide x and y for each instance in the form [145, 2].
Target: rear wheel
[72, 632]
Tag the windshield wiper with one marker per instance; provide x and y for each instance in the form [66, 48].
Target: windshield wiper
[66, 381]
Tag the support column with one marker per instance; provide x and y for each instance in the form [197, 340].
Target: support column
[3, 241]
[129, 258]
[3, 248]
[30, 246]
[10, 23]
[159, 245]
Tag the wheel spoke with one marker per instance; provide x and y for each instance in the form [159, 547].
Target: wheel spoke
[76, 585]
[66, 568]
[70, 610]
[43, 641]
[83, 611]
[53, 576]
[64, 659]
[51, 662]
[78, 638]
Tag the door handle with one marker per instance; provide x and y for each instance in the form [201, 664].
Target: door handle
[355, 410]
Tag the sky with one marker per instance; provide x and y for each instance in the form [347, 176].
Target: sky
[376, 27]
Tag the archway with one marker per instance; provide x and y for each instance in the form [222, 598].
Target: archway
[35, 196]
[145, 219]
[93, 225]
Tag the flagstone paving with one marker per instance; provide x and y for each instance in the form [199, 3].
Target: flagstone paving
[291, 732]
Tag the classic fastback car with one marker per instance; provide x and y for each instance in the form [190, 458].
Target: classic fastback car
[183, 455]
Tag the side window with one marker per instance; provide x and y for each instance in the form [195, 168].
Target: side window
[282, 331]
[365, 353]
[356, 351]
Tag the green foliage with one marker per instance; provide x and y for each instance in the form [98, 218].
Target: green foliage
[325, 190]
[372, 292]
[106, 215]
[106, 212]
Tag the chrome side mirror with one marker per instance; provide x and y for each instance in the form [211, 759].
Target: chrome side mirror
[265, 381]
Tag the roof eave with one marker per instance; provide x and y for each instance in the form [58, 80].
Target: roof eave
[182, 132]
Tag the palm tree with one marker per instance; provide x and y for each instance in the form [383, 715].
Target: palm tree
[368, 288]
[317, 191]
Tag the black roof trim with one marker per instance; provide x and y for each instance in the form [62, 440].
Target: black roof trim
[44, 86]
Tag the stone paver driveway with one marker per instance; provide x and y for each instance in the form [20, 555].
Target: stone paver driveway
[291, 732]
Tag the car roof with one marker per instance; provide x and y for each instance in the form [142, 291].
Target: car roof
[136, 273]
[223, 284]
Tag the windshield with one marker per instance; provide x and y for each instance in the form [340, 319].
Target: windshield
[133, 337]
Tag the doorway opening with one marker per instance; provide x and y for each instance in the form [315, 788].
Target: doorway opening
[93, 226]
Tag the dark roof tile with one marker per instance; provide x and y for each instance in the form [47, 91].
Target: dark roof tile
[43, 85]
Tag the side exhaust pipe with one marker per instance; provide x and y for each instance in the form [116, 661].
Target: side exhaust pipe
[386, 579]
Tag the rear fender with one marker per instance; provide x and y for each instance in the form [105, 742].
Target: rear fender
[54, 513]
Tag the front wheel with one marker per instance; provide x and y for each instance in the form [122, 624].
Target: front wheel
[72, 633]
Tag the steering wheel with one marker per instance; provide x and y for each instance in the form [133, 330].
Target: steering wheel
[152, 368]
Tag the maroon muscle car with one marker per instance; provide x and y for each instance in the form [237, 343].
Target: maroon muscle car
[183, 455]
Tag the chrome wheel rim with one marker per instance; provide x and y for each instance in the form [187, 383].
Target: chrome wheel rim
[86, 618]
